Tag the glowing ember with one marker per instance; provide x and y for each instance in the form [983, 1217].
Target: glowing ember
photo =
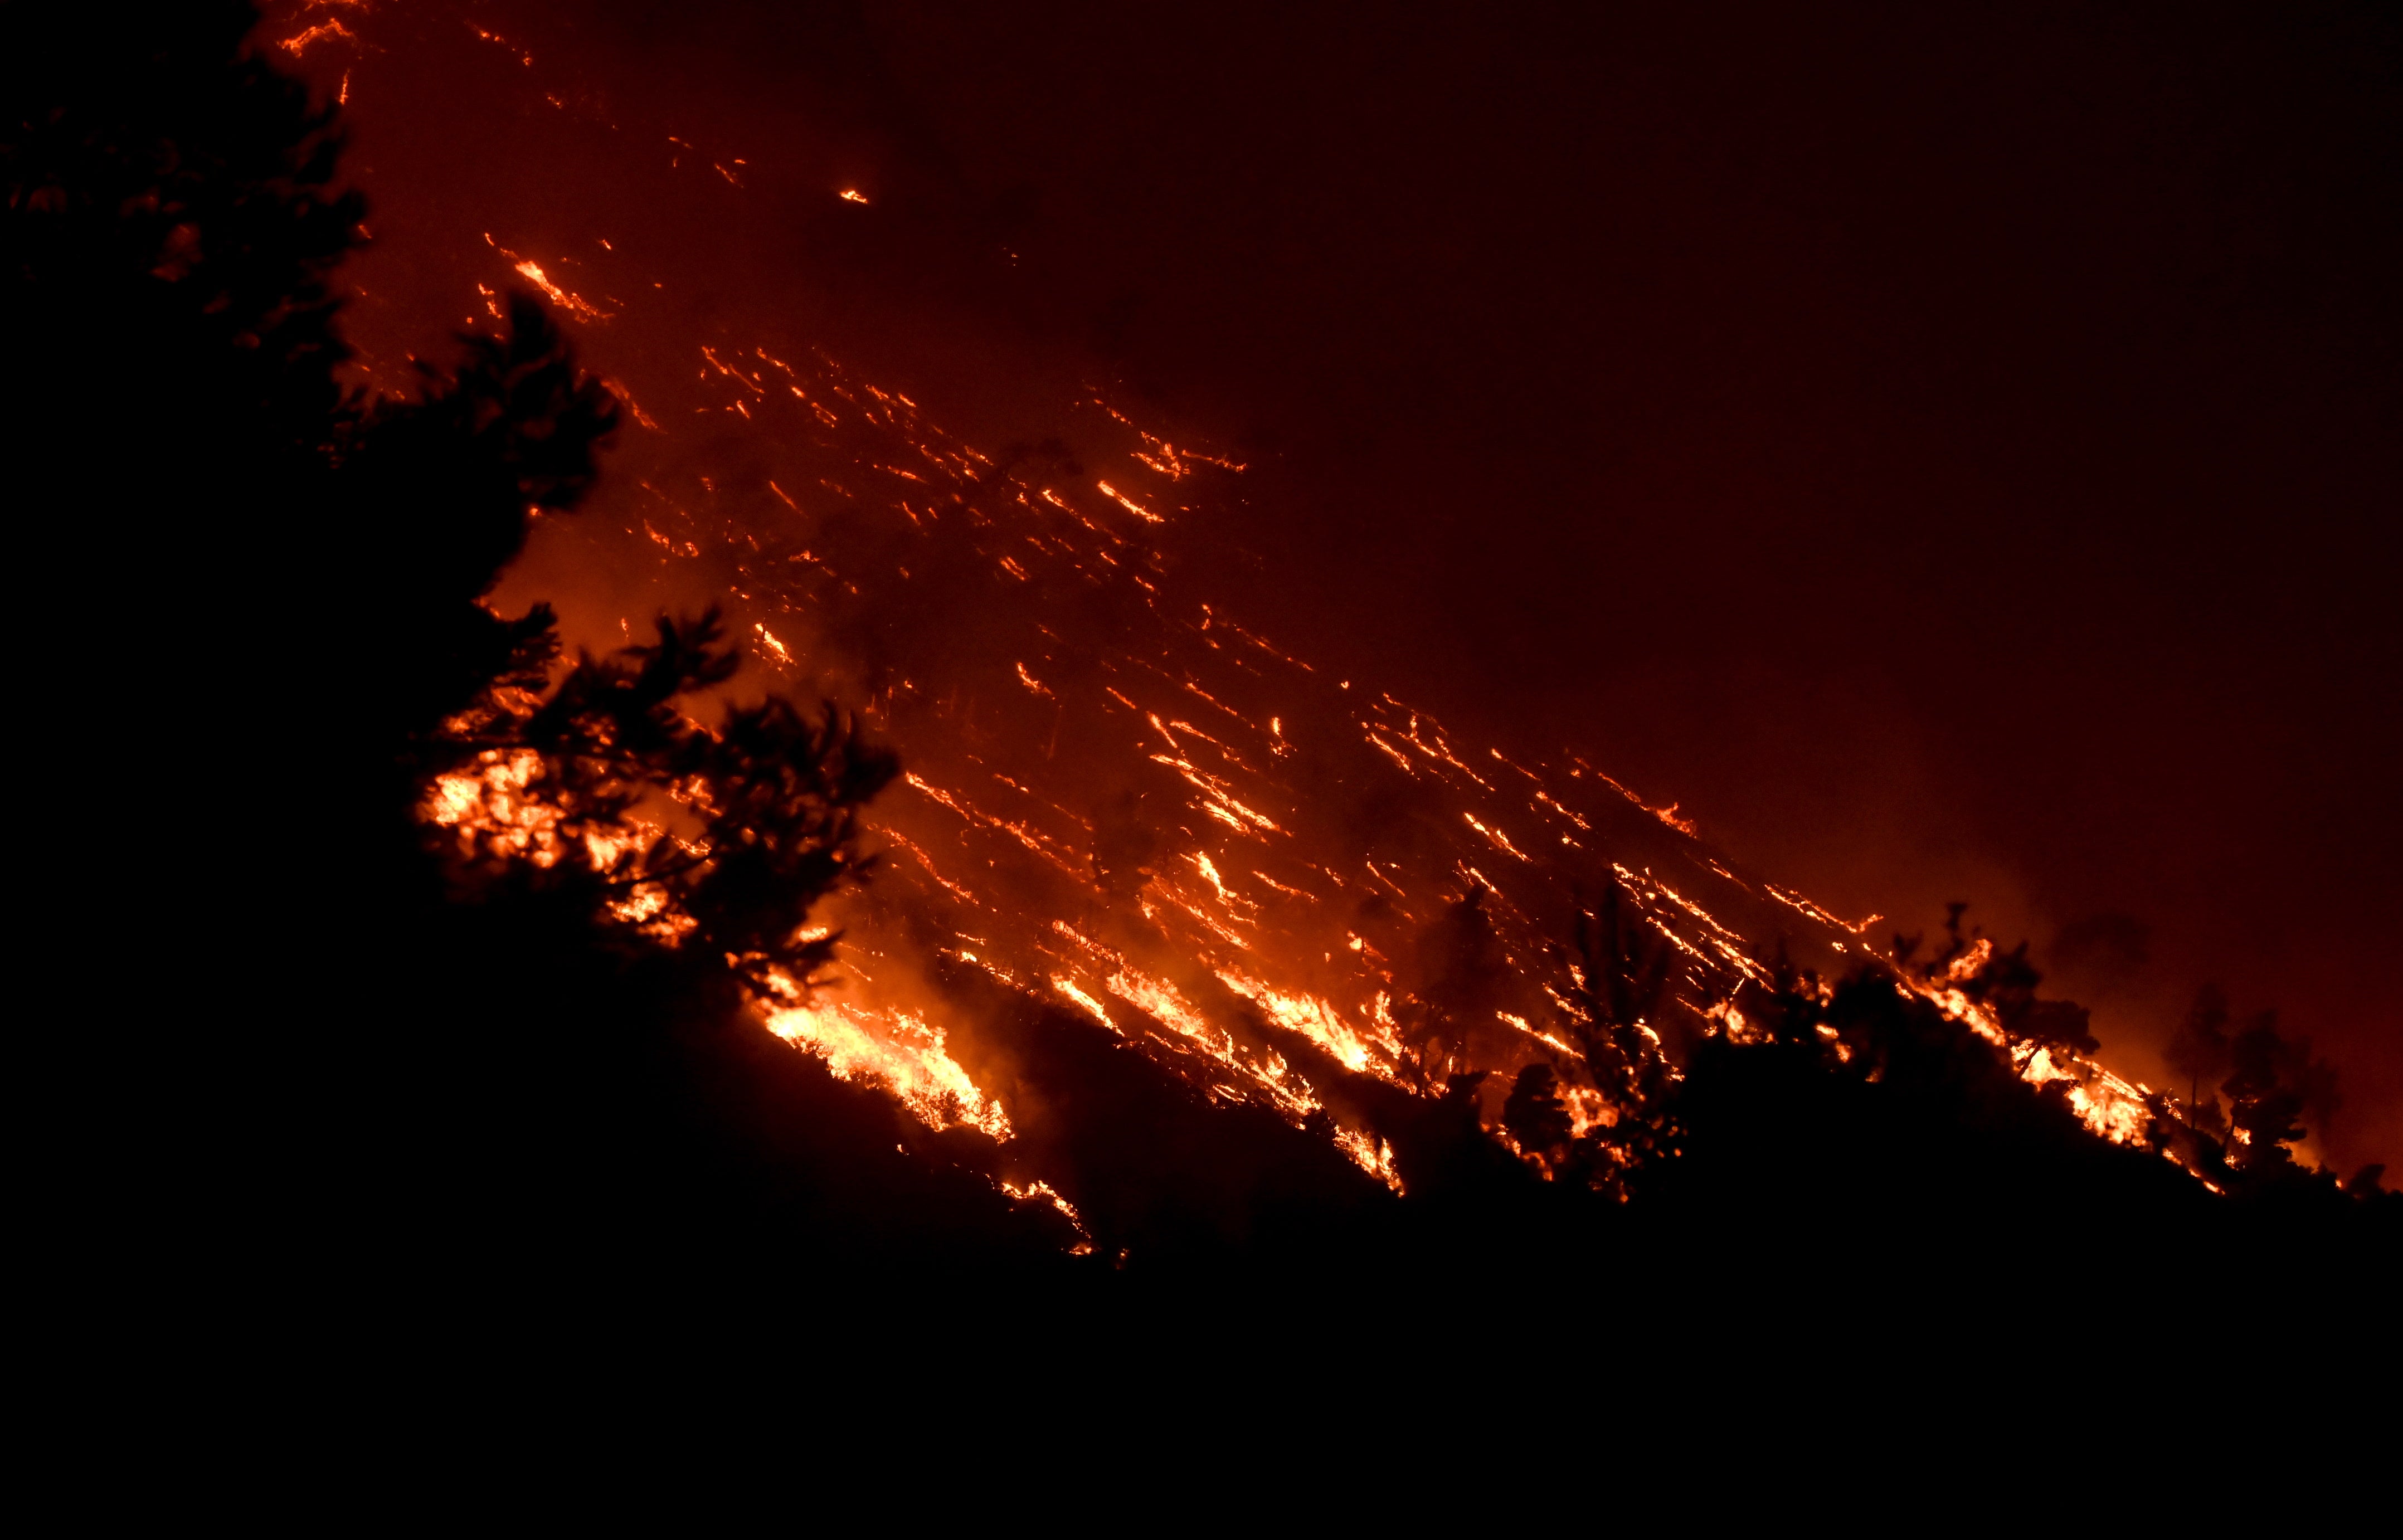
[533, 273]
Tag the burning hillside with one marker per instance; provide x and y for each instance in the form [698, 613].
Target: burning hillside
[1279, 884]
[1083, 920]
[1289, 891]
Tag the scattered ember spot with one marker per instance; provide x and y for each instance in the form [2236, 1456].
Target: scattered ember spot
[1129, 504]
[299, 42]
[1501, 840]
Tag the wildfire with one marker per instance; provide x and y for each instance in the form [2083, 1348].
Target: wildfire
[299, 42]
[1045, 1192]
[532, 272]
[899, 1051]
[496, 802]
[1135, 818]
[1363, 1053]
[1373, 1156]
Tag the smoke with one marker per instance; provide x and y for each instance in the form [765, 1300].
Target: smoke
[719, 492]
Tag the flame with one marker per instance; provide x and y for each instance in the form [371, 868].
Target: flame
[1363, 1053]
[899, 1051]
[1040, 1191]
[494, 802]
[1373, 1156]
[532, 272]
[1099, 1012]
[1501, 841]
[1129, 504]
[299, 42]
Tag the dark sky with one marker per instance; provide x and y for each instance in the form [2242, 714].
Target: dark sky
[1952, 451]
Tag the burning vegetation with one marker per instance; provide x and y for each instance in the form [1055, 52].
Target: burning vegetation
[1090, 931]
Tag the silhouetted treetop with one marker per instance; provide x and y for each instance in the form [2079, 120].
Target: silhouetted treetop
[2005, 982]
[2273, 1083]
[2197, 1054]
[164, 183]
[435, 496]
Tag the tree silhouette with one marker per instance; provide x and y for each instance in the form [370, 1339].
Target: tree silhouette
[437, 494]
[2199, 1053]
[772, 799]
[1617, 989]
[2005, 982]
[1464, 974]
[2273, 1082]
[341, 1025]
[1534, 1115]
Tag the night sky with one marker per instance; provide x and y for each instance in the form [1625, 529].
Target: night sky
[1951, 451]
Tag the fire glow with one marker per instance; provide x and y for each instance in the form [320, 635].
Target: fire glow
[1121, 803]
[997, 835]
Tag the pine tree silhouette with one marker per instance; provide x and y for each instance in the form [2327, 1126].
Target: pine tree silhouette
[330, 1029]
